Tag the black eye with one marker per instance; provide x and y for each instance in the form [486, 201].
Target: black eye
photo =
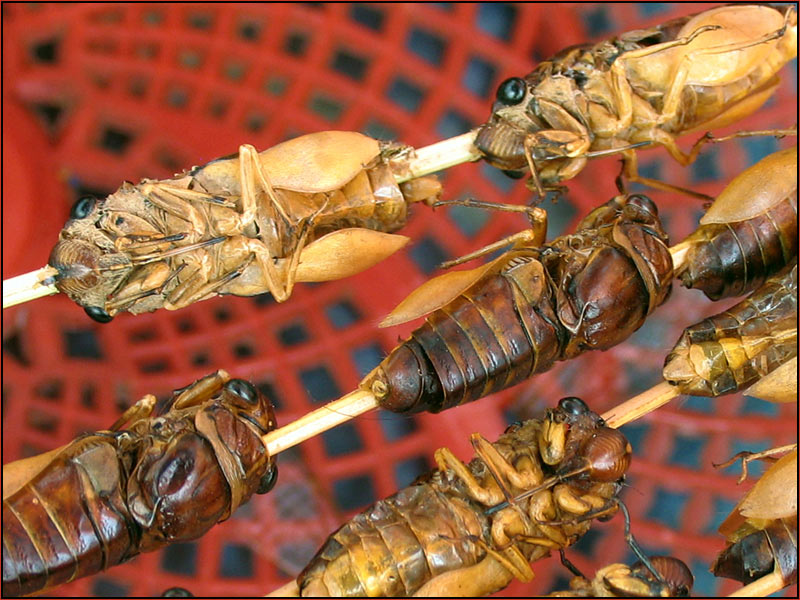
[177, 592]
[511, 91]
[514, 174]
[643, 202]
[82, 208]
[243, 389]
[268, 480]
[573, 405]
[98, 314]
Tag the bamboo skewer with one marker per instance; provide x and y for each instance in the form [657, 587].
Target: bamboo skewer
[29, 286]
[769, 584]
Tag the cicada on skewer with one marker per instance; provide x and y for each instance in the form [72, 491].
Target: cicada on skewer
[161, 474]
[315, 208]
[468, 530]
[640, 88]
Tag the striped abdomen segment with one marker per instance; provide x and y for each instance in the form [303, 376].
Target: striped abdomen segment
[732, 259]
[397, 545]
[732, 350]
[69, 521]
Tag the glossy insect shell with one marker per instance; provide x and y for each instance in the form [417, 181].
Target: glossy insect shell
[609, 454]
[674, 571]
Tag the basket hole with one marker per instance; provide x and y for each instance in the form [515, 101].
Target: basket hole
[268, 389]
[275, 85]
[706, 167]
[501, 181]
[651, 334]
[82, 343]
[319, 384]
[200, 20]
[50, 389]
[89, 396]
[236, 561]
[222, 314]
[408, 470]
[190, 58]
[200, 359]
[296, 43]
[177, 97]
[13, 346]
[155, 365]
[28, 450]
[349, 64]
[218, 108]
[264, 299]
[639, 377]
[427, 45]
[41, 421]
[185, 325]
[699, 404]
[292, 557]
[759, 147]
[687, 451]
[109, 588]
[168, 159]
[46, 51]
[342, 314]
[234, 70]
[380, 131]
[327, 107]
[705, 582]
[367, 358]
[180, 558]
[249, 30]
[396, 426]
[636, 434]
[497, 19]
[49, 114]
[146, 50]
[479, 76]
[428, 255]
[405, 94]
[353, 492]
[145, 334]
[152, 17]
[468, 220]
[255, 121]
[588, 544]
[757, 406]
[722, 508]
[755, 468]
[597, 22]
[368, 16]
[294, 502]
[293, 334]
[137, 86]
[115, 140]
[342, 440]
[453, 123]
[243, 349]
[667, 507]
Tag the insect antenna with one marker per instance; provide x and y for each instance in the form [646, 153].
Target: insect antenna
[544, 485]
[156, 256]
[568, 563]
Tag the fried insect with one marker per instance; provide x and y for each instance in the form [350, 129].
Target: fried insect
[468, 530]
[762, 529]
[621, 581]
[494, 326]
[315, 208]
[748, 233]
[169, 476]
[732, 350]
[643, 87]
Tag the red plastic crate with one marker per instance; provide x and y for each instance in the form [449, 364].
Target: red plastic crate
[96, 94]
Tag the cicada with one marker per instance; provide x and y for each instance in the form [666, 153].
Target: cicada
[468, 530]
[315, 208]
[642, 87]
[171, 474]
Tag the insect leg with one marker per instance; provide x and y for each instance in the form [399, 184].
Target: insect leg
[201, 390]
[445, 459]
[249, 169]
[535, 215]
[751, 456]
[141, 410]
[534, 237]
[176, 201]
[193, 289]
[501, 469]
[631, 168]
[568, 564]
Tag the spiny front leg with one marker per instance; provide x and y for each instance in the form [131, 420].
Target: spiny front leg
[445, 459]
[141, 410]
[201, 390]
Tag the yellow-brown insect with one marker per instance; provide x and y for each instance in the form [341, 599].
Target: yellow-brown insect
[732, 350]
[468, 530]
[621, 581]
[494, 326]
[172, 474]
[647, 86]
[315, 208]
[748, 233]
[762, 529]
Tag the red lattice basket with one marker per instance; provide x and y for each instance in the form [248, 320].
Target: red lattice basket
[96, 94]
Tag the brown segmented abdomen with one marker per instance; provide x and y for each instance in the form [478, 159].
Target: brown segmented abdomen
[732, 259]
[732, 350]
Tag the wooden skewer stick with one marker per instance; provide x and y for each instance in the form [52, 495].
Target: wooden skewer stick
[289, 590]
[423, 161]
[29, 286]
[769, 584]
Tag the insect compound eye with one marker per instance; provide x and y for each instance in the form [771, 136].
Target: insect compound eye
[268, 480]
[643, 203]
[573, 405]
[98, 314]
[243, 389]
[511, 91]
[514, 174]
[82, 208]
[177, 592]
